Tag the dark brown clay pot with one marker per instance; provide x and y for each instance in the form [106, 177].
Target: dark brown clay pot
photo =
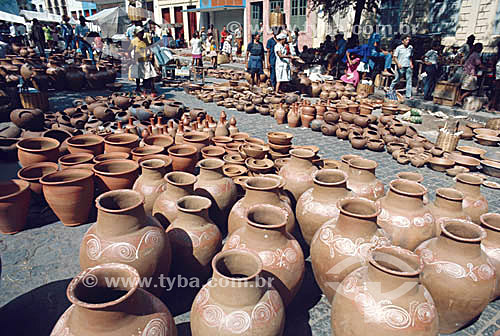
[359, 306]
[29, 119]
[183, 157]
[298, 173]
[14, 204]
[362, 180]
[101, 307]
[282, 257]
[150, 183]
[86, 143]
[361, 121]
[124, 233]
[115, 174]
[33, 150]
[69, 193]
[328, 129]
[457, 273]
[233, 294]
[331, 117]
[474, 203]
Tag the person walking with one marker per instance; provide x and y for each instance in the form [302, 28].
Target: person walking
[67, 33]
[197, 50]
[81, 33]
[271, 58]
[471, 67]
[38, 37]
[255, 60]
[431, 69]
[223, 36]
[402, 57]
[283, 68]
[142, 69]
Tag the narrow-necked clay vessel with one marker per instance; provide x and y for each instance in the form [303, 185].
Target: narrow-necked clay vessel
[194, 237]
[14, 204]
[69, 194]
[184, 157]
[298, 172]
[490, 245]
[33, 150]
[362, 180]
[259, 190]
[474, 203]
[385, 298]
[234, 302]
[124, 142]
[100, 308]
[33, 173]
[457, 273]
[403, 216]
[124, 233]
[150, 182]
[282, 257]
[115, 174]
[86, 143]
[319, 203]
[447, 205]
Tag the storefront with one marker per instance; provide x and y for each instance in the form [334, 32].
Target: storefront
[174, 12]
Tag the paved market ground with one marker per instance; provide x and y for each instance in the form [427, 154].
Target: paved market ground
[38, 263]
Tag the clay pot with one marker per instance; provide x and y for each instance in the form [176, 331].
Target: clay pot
[361, 121]
[196, 139]
[342, 133]
[122, 102]
[194, 237]
[115, 174]
[34, 172]
[259, 190]
[14, 204]
[98, 309]
[29, 119]
[124, 142]
[280, 115]
[319, 203]
[69, 194]
[282, 257]
[234, 295]
[33, 150]
[213, 152]
[490, 245]
[344, 239]
[140, 152]
[331, 117]
[86, 143]
[150, 182]
[280, 138]
[111, 156]
[293, 118]
[398, 129]
[404, 217]
[328, 130]
[457, 273]
[71, 160]
[362, 180]
[376, 145]
[298, 173]
[306, 119]
[362, 302]
[447, 205]
[474, 203]
[183, 157]
[358, 142]
[103, 113]
[162, 140]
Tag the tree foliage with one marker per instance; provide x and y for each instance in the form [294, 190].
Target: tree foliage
[330, 7]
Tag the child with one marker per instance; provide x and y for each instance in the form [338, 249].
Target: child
[351, 73]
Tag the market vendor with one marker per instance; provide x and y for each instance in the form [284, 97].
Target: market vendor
[255, 59]
[142, 69]
[368, 52]
[471, 67]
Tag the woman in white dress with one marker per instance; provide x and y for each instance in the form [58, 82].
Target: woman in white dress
[283, 69]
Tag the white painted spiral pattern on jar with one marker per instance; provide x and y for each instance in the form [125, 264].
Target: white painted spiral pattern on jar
[155, 327]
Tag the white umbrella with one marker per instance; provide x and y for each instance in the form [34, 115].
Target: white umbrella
[112, 21]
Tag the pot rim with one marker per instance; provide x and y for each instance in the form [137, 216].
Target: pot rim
[85, 156]
[21, 171]
[450, 221]
[342, 202]
[98, 158]
[394, 251]
[249, 253]
[168, 176]
[250, 163]
[138, 151]
[400, 174]
[205, 164]
[85, 174]
[277, 212]
[23, 186]
[156, 164]
[276, 184]
[187, 146]
[393, 187]
[159, 136]
[302, 153]
[131, 162]
[484, 221]
[99, 140]
[133, 137]
[470, 179]
[133, 193]
[445, 193]
[55, 144]
[195, 137]
[207, 204]
[373, 164]
[331, 171]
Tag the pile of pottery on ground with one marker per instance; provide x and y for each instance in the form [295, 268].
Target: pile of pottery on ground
[168, 183]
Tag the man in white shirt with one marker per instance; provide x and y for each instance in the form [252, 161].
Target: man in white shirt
[402, 57]
[239, 40]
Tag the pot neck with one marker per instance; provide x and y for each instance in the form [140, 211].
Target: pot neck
[272, 234]
[153, 173]
[194, 218]
[399, 200]
[365, 175]
[265, 196]
[301, 163]
[448, 204]
[457, 247]
[224, 290]
[384, 282]
[363, 226]
[211, 173]
[468, 189]
[120, 223]
[332, 191]
[114, 315]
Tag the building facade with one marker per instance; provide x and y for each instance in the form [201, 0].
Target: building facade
[72, 8]
[175, 12]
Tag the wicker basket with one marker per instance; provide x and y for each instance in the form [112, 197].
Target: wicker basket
[447, 141]
[31, 100]
[137, 13]
[493, 123]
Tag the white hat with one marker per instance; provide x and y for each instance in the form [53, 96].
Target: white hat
[281, 36]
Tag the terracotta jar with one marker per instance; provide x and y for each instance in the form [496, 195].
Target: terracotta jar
[69, 193]
[280, 115]
[319, 203]
[259, 190]
[282, 257]
[150, 182]
[178, 185]
[403, 215]
[362, 180]
[298, 172]
[194, 237]
[141, 152]
[34, 150]
[447, 205]
[293, 117]
[197, 139]
[111, 156]
[14, 204]
[183, 157]
[99, 309]
[71, 160]
[115, 174]
[234, 303]
[124, 233]
[221, 190]
[86, 143]
[124, 142]
[385, 298]
[33, 173]
[457, 273]
[490, 245]
[475, 204]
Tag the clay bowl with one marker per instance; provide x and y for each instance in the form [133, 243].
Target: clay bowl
[254, 141]
[258, 167]
[255, 151]
[86, 143]
[232, 170]
[283, 149]
[33, 150]
[124, 142]
[239, 137]
[491, 155]
[411, 176]
[471, 151]
[233, 159]
[214, 152]
[111, 156]
[276, 155]
[474, 125]
[232, 148]
[487, 140]
[456, 170]
[14, 203]
[71, 160]
[280, 138]
[440, 164]
[331, 164]
[491, 168]
[486, 131]
[140, 152]
[221, 140]
[161, 140]
[115, 174]
[466, 161]
[33, 173]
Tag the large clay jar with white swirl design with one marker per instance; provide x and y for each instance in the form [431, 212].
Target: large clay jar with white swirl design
[341, 245]
[123, 233]
[265, 233]
[194, 237]
[319, 204]
[457, 273]
[490, 222]
[448, 204]
[298, 172]
[362, 180]
[385, 298]
[237, 301]
[403, 215]
[475, 204]
[102, 308]
[150, 182]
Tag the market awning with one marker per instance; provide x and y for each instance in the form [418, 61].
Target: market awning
[41, 16]
[8, 17]
[214, 9]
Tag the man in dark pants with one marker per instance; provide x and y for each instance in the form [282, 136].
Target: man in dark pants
[271, 56]
[38, 37]
[431, 69]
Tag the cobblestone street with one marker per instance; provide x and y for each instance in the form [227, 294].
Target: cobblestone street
[39, 262]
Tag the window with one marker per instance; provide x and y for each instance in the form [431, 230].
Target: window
[256, 18]
[390, 12]
[496, 24]
[298, 15]
[276, 3]
[40, 7]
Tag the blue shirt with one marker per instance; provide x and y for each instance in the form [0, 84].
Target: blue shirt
[271, 43]
[256, 49]
[81, 30]
[341, 45]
